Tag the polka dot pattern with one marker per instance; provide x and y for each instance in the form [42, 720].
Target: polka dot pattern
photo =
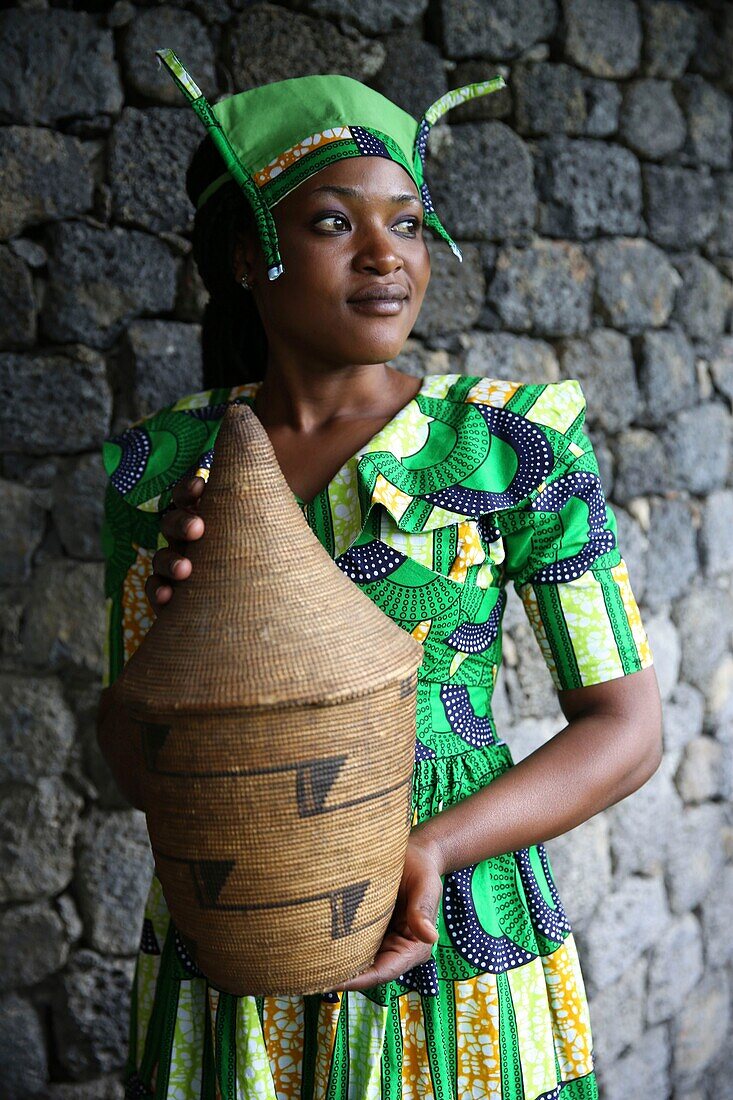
[484, 951]
[148, 941]
[552, 923]
[422, 978]
[478, 637]
[135, 446]
[368, 144]
[535, 460]
[371, 562]
[462, 718]
[584, 486]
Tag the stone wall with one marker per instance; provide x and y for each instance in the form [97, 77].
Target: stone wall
[594, 200]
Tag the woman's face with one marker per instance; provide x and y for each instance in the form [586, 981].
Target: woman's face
[353, 226]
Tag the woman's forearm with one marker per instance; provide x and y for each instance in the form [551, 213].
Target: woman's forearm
[595, 761]
[120, 744]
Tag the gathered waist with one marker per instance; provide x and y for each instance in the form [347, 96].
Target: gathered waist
[440, 782]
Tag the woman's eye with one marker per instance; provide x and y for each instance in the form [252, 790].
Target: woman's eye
[413, 224]
[331, 218]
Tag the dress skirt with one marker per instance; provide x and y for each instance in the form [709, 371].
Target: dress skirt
[499, 1011]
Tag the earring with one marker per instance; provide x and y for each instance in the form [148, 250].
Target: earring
[245, 282]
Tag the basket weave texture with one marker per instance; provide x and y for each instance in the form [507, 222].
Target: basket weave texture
[275, 706]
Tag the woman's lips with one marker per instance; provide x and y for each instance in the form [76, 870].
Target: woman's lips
[379, 306]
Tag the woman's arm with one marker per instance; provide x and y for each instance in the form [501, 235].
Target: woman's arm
[610, 747]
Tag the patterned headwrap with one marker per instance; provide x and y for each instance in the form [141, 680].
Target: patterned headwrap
[274, 137]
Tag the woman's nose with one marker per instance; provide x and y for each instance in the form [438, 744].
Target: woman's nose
[378, 251]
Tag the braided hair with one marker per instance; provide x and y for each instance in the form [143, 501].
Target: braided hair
[233, 339]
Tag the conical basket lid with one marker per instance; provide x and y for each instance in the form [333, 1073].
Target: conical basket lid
[267, 618]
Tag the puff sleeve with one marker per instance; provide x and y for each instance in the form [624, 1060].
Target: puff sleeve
[562, 555]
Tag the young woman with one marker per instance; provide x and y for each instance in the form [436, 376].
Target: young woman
[461, 484]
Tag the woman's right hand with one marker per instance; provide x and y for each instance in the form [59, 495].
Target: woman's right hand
[180, 526]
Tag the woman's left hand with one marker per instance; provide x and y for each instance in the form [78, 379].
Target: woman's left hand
[411, 931]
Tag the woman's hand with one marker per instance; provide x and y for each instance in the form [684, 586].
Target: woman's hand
[412, 931]
[180, 525]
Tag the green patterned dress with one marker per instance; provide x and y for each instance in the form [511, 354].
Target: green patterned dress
[474, 483]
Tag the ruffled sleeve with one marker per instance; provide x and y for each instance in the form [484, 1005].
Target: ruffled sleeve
[562, 555]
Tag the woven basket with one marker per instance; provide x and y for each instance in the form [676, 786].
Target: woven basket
[276, 709]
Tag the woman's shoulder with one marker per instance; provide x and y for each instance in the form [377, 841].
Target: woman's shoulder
[551, 402]
[146, 459]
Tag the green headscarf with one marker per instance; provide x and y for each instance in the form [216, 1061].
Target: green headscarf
[274, 137]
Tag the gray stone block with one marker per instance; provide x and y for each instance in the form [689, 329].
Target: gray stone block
[721, 366]
[651, 122]
[721, 242]
[101, 1088]
[667, 374]
[587, 188]
[702, 300]
[33, 945]
[78, 396]
[36, 728]
[91, 1010]
[700, 1030]
[633, 545]
[267, 43]
[455, 292]
[708, 115]
[640, 824]
[715, 911]
[38, 50]
[672, 557]
[113, 875]
[637, 913]
[163, 360]
[700, 775]
[491, 151]
[512, 358]
[37, 829]
[66, 619]
[18, 303]
[180, 31]
[614, 1031]
[699, 614]
[531, 691]
[641, 465]
[501, 29]
[549, 99]
[670, 984]
[602, 362]
[137, 271]
[682, 717]
[149, 153]
[665, 647]
[670, 30]
[78, 505]
[603, 36]
[697, 443]
[31, 252]
[695, 855]
[43, 176]
[642, 1072]
[413, 75]
[603, 105]
[24, 522]
[546, 289]
[22, 1049]
[680, 205]
[716, 542]
[635, 283]
[485, 108]
[371, 16]
[192, 295]
[570, 856]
